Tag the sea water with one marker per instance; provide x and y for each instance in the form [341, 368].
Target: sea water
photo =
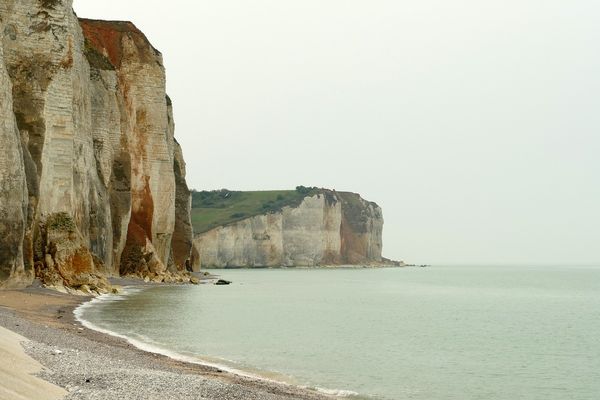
[437, 333]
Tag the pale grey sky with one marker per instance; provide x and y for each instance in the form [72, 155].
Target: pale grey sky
[475, 124]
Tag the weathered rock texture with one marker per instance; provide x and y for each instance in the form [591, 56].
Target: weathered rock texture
[92, 181]
[331, 228]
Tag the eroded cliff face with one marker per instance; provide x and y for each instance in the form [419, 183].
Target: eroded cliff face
[331, 228]
[92, 181]
[13, 188]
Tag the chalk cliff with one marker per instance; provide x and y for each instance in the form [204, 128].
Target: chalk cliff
[92, 182]
[329, 228]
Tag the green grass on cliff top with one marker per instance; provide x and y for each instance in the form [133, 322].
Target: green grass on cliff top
[223, 207]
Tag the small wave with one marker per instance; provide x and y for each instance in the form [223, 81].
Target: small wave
[337, 392]
[147, 346]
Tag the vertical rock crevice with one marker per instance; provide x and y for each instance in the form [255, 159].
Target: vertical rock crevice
[13, 188]
[181, 242]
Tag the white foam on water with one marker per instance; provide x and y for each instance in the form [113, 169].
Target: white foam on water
[337, 392]
[146, 346]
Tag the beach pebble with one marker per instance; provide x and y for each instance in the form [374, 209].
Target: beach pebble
[107, 369]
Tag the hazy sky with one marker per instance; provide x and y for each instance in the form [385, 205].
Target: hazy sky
[475, 124]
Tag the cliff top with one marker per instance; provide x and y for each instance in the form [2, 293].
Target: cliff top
[211, 209]
[119, 26]
[222, 207]
[106, 38]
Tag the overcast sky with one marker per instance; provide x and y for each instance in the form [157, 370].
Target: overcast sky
[475, 124]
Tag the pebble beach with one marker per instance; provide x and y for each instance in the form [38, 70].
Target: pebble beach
[78, 363]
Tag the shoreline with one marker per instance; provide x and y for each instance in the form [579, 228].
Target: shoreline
[88, 363]
[316, 267]
[153, 349]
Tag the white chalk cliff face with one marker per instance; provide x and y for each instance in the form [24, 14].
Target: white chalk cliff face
[332, 228]
[13, 189]
[92, 183]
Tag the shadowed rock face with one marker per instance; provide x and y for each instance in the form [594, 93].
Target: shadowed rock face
[331, 228]
[13, 192]
[87, 137]
[182, 236]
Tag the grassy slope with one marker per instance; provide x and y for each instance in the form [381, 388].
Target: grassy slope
[217, 208]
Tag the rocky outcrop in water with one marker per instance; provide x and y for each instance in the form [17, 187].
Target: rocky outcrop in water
[330, 228]
[92, 182]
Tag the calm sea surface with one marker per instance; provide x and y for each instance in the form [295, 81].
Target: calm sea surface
[435, 333]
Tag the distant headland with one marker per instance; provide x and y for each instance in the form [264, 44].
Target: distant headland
[305, 227]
